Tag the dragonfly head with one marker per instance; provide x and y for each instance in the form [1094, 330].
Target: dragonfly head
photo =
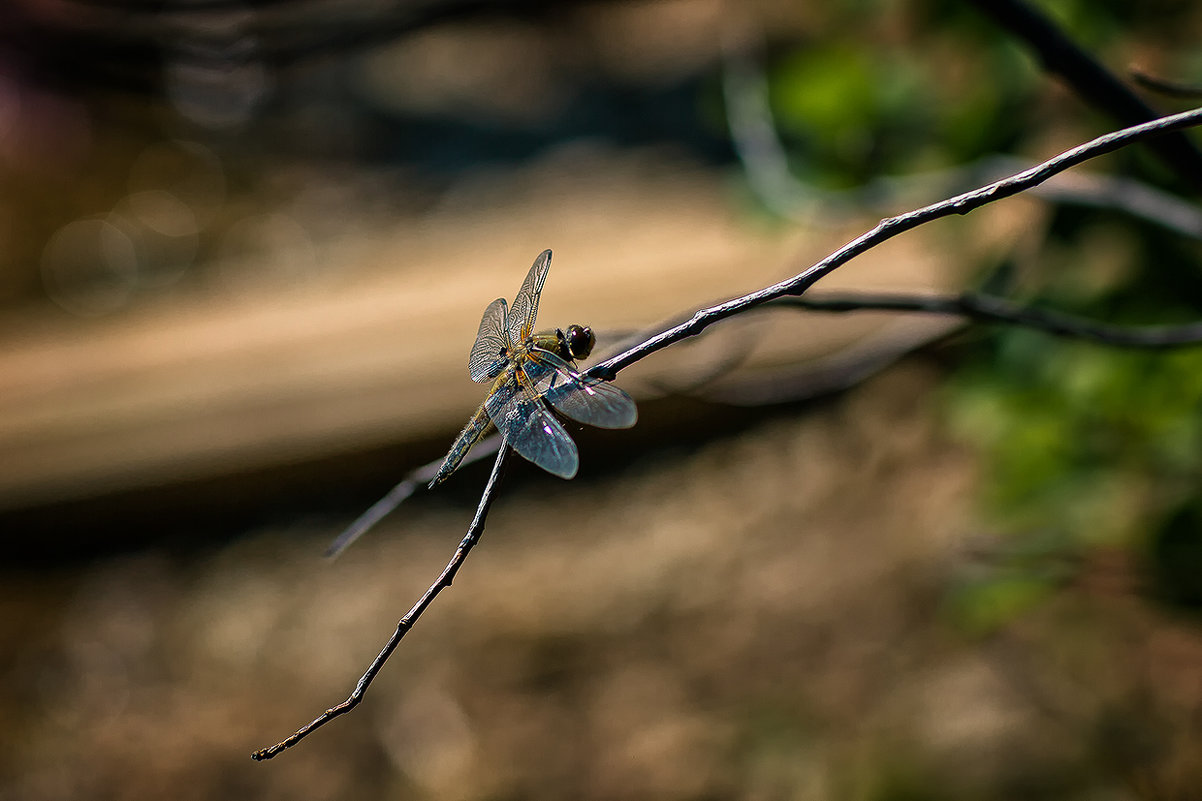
[578, 341]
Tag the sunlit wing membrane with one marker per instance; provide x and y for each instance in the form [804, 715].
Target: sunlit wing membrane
[585, 400]
[532, 431]
[525, 305]
[595, 403]
[489, 354]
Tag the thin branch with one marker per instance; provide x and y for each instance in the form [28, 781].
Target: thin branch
[1127, 195]
[406, 623]
[411, 483]
[856, 363]
[994, 309]
[374, 514]
[891, 227]
[795, 286]
[1091, 80]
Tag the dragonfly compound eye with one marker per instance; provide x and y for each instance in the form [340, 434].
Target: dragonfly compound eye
[580, 341]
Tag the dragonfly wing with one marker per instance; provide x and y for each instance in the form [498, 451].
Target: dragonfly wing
[525, 305]
[531, 429]
[595, 403]
[490, 354]
[578, 397]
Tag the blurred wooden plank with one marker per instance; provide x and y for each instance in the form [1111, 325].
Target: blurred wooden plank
[375, 351]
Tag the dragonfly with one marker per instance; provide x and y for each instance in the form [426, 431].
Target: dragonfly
[534, 381]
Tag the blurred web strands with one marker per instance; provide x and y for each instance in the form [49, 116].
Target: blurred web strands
[893, 226]
[474, 531]
[994, 309]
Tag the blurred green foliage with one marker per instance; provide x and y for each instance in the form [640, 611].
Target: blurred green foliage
[850, 110]
[1081, 436]
[849, 113]
[1084, 446]
[1087, 446]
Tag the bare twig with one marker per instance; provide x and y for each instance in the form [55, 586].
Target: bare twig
[374, 514]
[413, 481]
[856, 363]
[987, 307]
[1132, 197]
[891, 227]
[406, 623]
[795, 286]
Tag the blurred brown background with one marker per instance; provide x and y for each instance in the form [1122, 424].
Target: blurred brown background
[245, 247]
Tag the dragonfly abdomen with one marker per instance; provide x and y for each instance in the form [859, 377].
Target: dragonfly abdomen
[477, 428]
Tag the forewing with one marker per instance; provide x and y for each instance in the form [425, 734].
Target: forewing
[575, 396]
[531, 430]
[525, 305]
[490, 353]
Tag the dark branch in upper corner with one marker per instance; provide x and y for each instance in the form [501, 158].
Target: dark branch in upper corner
[891, 227]
[994, 309]
[406, 623]
[1091, 80]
